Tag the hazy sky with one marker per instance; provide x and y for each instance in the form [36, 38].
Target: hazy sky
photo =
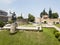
[35, 7]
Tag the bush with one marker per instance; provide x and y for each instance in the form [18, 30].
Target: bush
[57, 34]
[2, 23]
[55, 31]
[59, 38]
[10, 21]
[57, 22]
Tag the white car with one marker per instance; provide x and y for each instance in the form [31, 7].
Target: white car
[7, 26]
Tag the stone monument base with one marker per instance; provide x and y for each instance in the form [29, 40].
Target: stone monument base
[13, 28]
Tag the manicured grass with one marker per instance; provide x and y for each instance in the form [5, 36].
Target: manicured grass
[29, 38]
[58, 25]
[27, 25]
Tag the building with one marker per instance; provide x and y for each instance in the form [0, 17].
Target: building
[46, 19]
[3, 16]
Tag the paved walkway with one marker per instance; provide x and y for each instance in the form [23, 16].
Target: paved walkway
[46, 25]
[35, 27]
[57, 28]
[51, 25]
[26, 28]
[29, 28]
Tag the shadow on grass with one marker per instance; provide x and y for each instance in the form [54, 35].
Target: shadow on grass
[33, 30]
[14, 32]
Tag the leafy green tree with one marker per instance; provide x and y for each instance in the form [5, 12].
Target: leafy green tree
[43, 13]
[20, 17]
[2, 23]
[50, 13]
[31, 18]
[10, 21]
[55, 15]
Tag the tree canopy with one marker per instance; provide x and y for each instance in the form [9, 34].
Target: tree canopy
[31, 18]
[55, 15]
[2, 23]
[51, 15]
[20, 17]
[43, 13]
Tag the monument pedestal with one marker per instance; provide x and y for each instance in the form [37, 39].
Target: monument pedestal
[13, 28]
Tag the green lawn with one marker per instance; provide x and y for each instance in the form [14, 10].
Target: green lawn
[58, 25]
[29, 38]
[27, 25]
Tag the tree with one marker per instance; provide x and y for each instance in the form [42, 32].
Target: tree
[31, 18]
[43, 13]
[20, 17]
[50, 13]
[10, 21]
[55, 15]
[2, 23]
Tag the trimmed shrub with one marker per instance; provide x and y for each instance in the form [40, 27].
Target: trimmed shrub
[57, 22]
[55, 31]
[59, 38]
[57, 34]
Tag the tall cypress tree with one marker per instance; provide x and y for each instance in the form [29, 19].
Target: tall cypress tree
[21, 16]
[50, 13]
[43, 13]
